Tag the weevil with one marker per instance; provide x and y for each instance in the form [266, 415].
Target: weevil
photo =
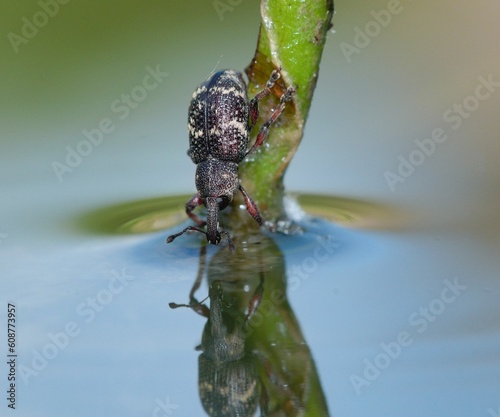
[220, 120]
[228, 380]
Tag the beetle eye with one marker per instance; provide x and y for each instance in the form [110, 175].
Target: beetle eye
[223, 201]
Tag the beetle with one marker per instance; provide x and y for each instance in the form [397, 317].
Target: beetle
[220, 120]
[228, 380]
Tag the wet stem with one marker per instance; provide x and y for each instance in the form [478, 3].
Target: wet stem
[292, 36]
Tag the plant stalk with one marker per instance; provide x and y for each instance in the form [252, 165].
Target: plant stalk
[292, 36]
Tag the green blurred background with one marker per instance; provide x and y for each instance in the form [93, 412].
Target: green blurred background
[367, 110]
[65, 78]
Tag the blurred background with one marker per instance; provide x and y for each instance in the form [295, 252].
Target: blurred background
[122, 73]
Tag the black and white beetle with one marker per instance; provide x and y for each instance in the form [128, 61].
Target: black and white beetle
[220, 121]
[228, 380]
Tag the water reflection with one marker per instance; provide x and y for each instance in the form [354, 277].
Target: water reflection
[253, 353]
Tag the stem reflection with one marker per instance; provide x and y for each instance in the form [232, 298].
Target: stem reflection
[253, 353]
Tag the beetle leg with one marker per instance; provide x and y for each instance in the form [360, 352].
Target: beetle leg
[194, 304]
[199, 276]
[194, 202]
[251, 206]
[264, 400]
[254, 103]
[256, 299]
[229, 241]
[264, 130]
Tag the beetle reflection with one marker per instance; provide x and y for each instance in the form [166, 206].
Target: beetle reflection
[253, 354]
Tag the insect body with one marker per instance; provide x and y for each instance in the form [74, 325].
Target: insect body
[220, 121]
[228, 380]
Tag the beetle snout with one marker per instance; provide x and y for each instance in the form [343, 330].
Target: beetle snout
[214, 239]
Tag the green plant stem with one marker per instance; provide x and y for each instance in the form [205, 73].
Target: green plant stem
[292, 36]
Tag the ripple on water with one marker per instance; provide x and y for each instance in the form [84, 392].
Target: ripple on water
[162, 213]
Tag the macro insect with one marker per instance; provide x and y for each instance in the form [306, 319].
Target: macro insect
[228, 380]
[220, 120]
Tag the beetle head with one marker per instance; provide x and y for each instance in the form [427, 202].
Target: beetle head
[217, 179]
[216, 182]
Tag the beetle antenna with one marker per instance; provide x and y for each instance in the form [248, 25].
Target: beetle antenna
[171, 238]
[216, 65]
[193, 305]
